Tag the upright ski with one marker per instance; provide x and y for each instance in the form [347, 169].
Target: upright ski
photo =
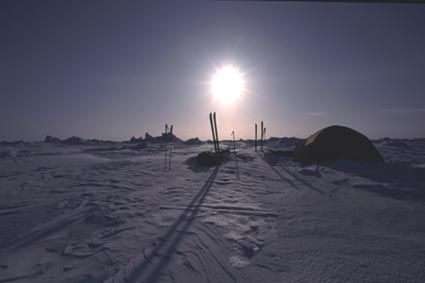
[213, 132]
[216, 133]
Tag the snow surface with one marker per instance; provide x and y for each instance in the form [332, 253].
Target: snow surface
[94, 213]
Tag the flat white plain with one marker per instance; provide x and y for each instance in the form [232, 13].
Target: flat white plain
[97, 213]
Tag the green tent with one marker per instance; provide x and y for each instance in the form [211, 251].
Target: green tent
[336, 143]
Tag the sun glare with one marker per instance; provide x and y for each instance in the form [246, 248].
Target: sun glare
[227, 84]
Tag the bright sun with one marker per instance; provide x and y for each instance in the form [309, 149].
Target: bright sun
[227, 84]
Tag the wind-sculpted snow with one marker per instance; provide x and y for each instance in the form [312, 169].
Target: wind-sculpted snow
[108, 212]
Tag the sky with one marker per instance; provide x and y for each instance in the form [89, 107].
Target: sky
[116, 69]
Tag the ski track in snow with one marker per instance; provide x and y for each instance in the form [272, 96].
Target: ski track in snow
[95, 214]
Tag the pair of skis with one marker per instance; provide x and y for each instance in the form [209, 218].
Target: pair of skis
[263, 135]
[214, 131]
[168, 138]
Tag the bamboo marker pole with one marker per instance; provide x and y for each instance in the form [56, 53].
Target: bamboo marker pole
[262, 135]
[255, 142]
[234, 142]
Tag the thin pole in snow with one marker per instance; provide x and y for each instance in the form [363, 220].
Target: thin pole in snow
[234, 142]
[171, 147]
[165, 147]
[262, 134]
[255, 142]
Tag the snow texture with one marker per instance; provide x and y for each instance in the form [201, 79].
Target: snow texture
[108, 213]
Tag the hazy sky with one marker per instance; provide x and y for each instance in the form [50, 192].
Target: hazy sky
[114, 69]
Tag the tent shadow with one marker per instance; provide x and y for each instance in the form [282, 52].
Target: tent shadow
[394, 193]
[400, 182]
[150, 269]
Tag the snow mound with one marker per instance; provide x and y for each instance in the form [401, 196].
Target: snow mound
[74, 141]
[398, 144]
[51, 139]
[193, 141]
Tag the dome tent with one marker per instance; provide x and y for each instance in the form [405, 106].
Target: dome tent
[336, 143]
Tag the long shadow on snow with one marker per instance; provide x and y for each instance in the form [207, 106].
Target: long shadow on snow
[52, 227]
[305, 183]
[271, 160]
[172, 238]
[237, 166]
[394, 193]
